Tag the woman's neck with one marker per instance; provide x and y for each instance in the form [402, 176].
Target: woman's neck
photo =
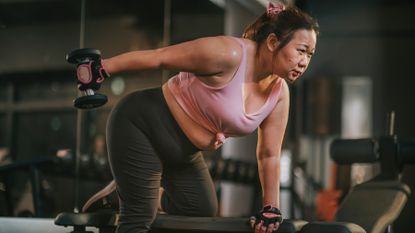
[262, 64]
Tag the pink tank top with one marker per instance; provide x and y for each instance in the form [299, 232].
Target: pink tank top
[221, 110]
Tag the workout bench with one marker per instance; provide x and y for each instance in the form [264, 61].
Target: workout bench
[106, 222]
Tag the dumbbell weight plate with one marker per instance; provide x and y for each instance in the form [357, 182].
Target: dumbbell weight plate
[82, 55]
[90, 101]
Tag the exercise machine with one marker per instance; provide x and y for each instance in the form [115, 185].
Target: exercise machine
[374, 205]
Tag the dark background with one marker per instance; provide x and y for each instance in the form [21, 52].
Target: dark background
[371, 38]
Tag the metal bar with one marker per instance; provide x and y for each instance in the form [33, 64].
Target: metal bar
[8, 194]
[10, 120]
[80, 117]
[82, 25]
[36, 191]
[390, 125]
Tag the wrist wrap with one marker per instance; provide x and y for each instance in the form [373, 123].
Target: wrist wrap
[269, 215]
[90, 75]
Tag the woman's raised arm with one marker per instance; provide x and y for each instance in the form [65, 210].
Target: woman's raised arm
[205, 56]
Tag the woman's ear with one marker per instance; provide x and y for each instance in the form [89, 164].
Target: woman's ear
[272, 42]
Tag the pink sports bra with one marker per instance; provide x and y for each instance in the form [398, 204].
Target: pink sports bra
[221, 110]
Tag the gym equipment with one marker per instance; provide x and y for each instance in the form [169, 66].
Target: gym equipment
[61, 164]
[33, 167]
[373, 205]
[164, 223]
[89, 77]
[232, 170]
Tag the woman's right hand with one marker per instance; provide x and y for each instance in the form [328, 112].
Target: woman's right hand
[91, 75]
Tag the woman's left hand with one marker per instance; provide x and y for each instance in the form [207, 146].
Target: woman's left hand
[267, 220]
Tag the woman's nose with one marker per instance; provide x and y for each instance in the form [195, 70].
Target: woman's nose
[304, 61]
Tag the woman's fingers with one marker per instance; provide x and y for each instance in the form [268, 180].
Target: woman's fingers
[252, 221]
[259, 228]
[276, 226]
[270, 228]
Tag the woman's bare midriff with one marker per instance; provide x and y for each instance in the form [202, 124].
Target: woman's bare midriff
[199, 136]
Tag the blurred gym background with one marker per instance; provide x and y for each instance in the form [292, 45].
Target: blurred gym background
[363, 69]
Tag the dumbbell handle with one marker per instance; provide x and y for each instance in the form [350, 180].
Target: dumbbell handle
[89, 92]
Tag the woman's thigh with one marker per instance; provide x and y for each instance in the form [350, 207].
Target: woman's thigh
[137, 171]
[189, 190]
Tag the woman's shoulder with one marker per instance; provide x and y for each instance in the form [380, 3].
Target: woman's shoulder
[227, 48]
[237, 41]
[285, 90]
[229, 42]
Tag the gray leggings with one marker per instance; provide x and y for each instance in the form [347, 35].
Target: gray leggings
[147, 148]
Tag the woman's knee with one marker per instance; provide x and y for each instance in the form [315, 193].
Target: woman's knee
[207, 208]
[210, 210]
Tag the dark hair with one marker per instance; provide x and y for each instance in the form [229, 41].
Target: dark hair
[283, 25]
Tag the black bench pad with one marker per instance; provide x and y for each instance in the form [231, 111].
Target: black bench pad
[332, 227]
[174, 223]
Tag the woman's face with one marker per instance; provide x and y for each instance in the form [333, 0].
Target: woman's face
[292, 60]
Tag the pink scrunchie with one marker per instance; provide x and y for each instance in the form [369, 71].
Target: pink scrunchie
[273, 10]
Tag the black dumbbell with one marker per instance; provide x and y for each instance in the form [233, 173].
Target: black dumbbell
[89, 77]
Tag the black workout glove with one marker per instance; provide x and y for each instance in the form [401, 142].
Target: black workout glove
[90, 75]
[268, 215]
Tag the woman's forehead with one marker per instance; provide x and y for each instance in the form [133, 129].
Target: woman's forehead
[306, 37]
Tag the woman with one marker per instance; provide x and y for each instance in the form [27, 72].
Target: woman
[227, 87]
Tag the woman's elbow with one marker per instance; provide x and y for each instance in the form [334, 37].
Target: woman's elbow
[161, 59]
[266, 153]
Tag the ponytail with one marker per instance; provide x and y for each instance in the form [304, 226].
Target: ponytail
[283, 24]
